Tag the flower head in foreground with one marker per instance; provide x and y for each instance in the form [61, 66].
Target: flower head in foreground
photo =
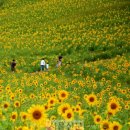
[116, 126]
[37, 114]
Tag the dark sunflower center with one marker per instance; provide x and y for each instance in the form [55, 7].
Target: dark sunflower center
[59, 100]
[37, 115]
[46, 107]
[91, 99]
[17, 104]
[51, 101]
[115, 127]
[98, 119]
[113, 106]
[24, 116]
[13, 116]
[5, 105]
[64, 109]
[109, 113]
[63, 95]
[69, 115]
[77, 109]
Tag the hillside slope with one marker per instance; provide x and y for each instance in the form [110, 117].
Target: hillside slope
[79, 30]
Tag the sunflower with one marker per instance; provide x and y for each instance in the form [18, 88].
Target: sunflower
[41, 85]
[123, 91]
[52, 117]
[59, 87]
[37, 114]
[62, 108]
[32, 96]
[127, 106]
[97, 119]
[7, 88]
[48, 95]
[105, 125]
[16, 104]
[94, 86]
[113, 106]
[20, 90]
[73, 108]
[54, 95]
[91, 99]
[116, 126]
[60, 101]
[110, 93]
[12, 97]
[45, 83]
[46, 107]
[63, 94]
[6, 105]
[13, 116]
[85, 96]
[110, 113]
[79, 103]
[24, 116]
[52, 101]
[68, 115]
[77, 108]
[118, 84]
[73, 81]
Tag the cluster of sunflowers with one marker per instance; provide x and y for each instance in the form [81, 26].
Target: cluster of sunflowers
[35, 101]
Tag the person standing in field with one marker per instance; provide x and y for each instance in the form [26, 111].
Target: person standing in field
[47, 66]
[42, 64]
[59, 62]
[13, 65]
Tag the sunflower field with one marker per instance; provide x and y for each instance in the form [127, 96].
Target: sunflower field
[90, 90]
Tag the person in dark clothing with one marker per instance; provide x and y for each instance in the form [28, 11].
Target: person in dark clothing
[60, 58]
[13, 65]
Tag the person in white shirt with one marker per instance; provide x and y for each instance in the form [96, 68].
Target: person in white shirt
[47, 66]
[42, 64]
